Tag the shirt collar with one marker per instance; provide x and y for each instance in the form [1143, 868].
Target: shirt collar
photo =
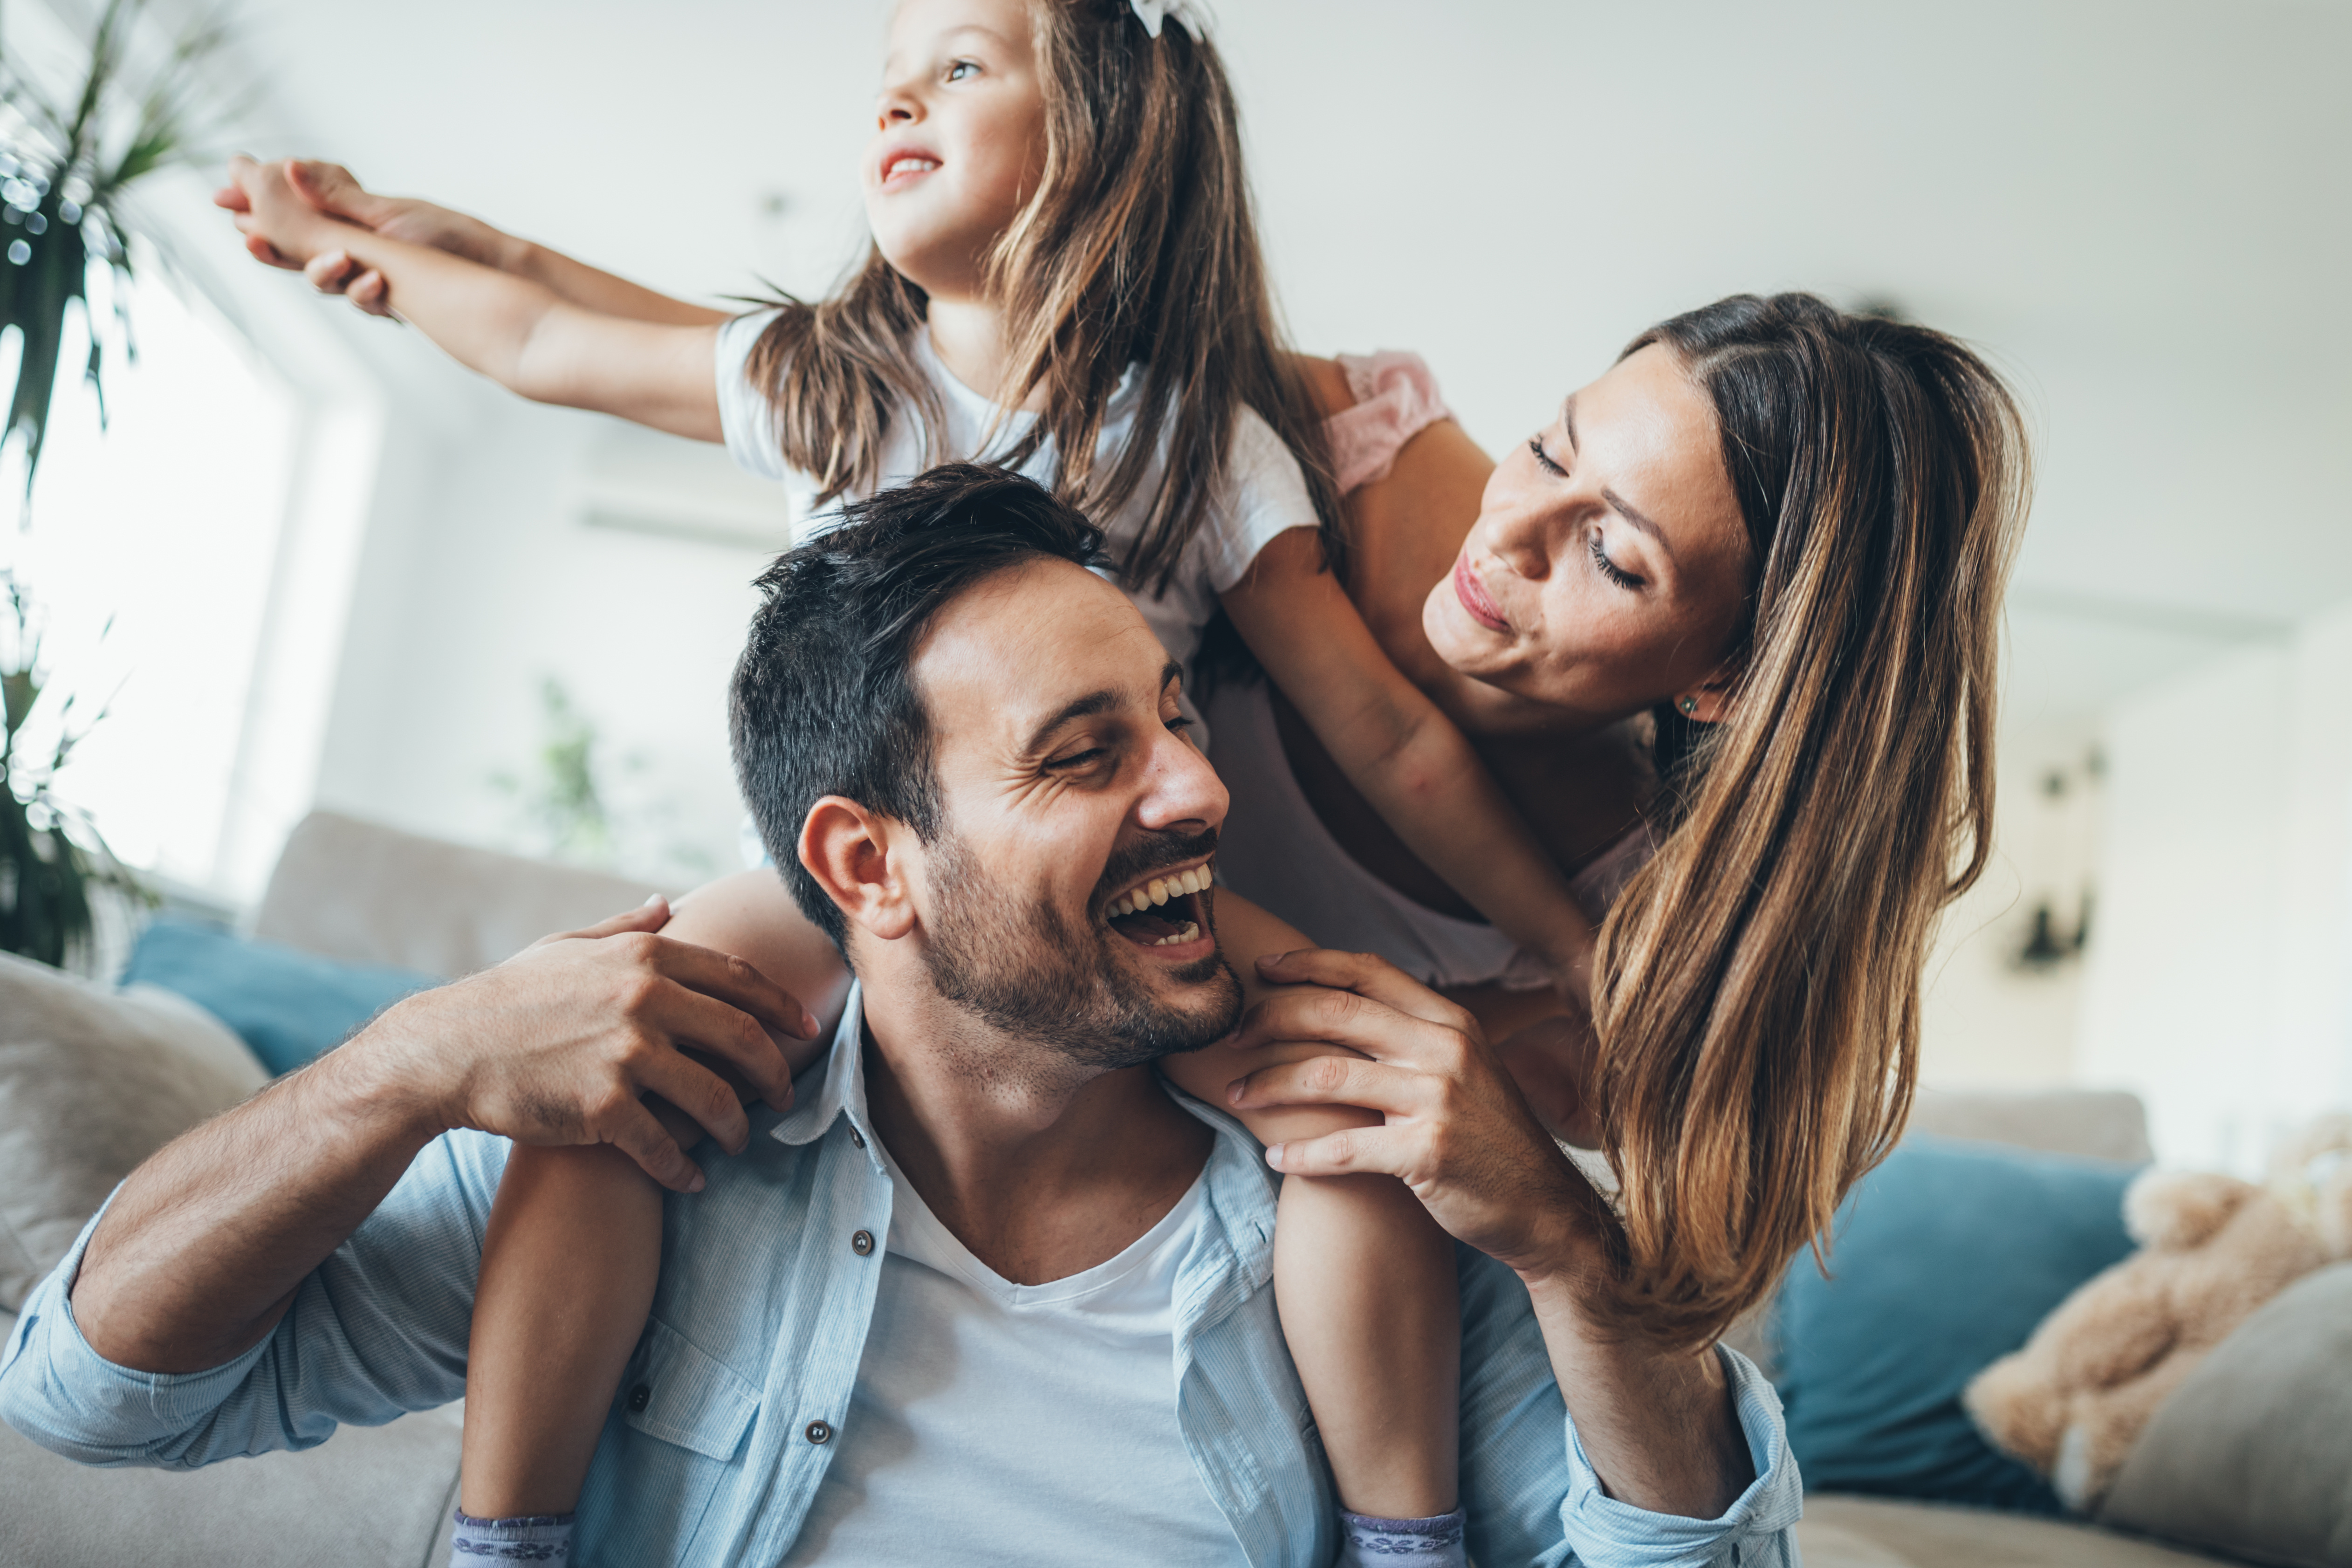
[838, 1090]
[1240, 1185]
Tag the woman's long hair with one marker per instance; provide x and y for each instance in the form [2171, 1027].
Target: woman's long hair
[1756, 999]
[1139, 247]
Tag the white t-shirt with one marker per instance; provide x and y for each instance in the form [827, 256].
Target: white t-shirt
[1264, 493]
[1000, 1423]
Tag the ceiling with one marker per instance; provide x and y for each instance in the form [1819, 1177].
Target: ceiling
[2141, 210]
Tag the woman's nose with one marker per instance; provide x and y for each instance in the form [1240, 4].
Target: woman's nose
[1520, 536]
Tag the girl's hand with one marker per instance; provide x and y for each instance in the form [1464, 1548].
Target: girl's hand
[331, 190]
[281, 228]
[1456, 1129]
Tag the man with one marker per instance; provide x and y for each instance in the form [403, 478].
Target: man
[964, 748]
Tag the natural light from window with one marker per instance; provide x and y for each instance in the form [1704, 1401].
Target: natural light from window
[165, 524]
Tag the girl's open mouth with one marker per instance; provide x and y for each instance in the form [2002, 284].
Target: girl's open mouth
[1165, 911]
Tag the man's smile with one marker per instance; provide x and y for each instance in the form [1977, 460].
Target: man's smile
[1165, 911]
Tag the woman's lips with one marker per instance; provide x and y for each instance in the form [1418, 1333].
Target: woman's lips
[1474, 597]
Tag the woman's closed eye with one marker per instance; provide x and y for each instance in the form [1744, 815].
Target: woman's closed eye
[1544, 459]
[1610, 569]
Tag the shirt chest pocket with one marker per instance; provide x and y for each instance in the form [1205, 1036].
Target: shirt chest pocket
[678, 1394]
[675, 1435]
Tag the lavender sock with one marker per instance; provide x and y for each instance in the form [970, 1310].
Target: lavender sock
[533, 1538]
[1403, 1543]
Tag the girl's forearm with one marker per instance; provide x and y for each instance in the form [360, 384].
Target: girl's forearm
[1433, 790]
[577, 283]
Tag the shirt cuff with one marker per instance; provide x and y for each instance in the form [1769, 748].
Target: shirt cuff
[1608, 1534]
[64, 1395]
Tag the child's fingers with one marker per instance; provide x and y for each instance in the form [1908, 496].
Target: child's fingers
[368, 292]
[329, 272]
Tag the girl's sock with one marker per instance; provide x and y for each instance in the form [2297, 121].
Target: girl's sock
[1403, 1543]
[531, 1538]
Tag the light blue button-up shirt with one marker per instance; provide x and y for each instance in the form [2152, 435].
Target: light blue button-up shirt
[715, 1447]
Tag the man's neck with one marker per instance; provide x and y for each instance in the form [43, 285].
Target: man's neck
[1042, 1166]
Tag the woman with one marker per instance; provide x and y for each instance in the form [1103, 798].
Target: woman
[1775, 534]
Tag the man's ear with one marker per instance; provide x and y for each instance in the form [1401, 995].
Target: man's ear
[850, 851]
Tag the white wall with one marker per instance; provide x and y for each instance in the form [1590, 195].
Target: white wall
[2217, 984]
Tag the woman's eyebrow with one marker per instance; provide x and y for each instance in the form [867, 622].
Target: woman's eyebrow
[1625, 509]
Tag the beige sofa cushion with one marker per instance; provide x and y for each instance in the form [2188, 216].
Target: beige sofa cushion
[2253, 1452]
[93, 1081]
[371, 1497]
[1842, 1531]
[357, 890]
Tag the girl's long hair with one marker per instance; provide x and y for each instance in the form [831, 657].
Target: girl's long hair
[1139, 247]
[1756, 999]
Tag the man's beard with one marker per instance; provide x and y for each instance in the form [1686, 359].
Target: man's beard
[1024, 969]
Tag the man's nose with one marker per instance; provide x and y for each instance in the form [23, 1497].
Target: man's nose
[1180, 789]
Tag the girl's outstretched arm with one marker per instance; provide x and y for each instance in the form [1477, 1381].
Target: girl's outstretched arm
[1404, 753]
[573, 1250]
[1362, 1276]
[517, 330]
[332, 189]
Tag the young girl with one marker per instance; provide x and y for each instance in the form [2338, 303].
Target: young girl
[1065, 279]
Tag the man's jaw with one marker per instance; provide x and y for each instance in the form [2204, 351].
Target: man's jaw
[1165, 915]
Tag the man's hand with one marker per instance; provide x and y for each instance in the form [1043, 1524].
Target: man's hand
[331, 189]
[560, 1043]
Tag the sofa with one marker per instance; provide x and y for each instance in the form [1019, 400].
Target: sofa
[355, 891]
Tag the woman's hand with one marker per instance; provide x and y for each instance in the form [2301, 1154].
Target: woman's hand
[1456, 1129]
[331, 190]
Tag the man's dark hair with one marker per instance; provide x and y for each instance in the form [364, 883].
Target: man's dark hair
[821, 702]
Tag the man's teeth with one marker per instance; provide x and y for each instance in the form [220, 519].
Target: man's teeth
[1192, 933]
[1158, 890]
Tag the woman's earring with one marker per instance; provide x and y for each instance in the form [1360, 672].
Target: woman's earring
[1689, 706]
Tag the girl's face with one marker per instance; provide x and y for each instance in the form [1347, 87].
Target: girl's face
[1610, 560]
[961, 139]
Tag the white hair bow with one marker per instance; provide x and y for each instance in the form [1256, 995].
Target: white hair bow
[1153, 12]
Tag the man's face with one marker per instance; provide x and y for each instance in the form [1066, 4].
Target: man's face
[1065, 899]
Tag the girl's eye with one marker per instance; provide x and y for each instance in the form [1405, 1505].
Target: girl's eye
[1610, 569]
[1543, 458]
[958, 71]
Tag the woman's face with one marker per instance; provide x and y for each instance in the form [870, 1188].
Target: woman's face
[1609, 563]
[959, 138]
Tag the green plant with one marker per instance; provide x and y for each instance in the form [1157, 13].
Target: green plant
[65, 169]
[51, 856]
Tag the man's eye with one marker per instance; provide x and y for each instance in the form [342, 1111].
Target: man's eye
[1178, 724]
[1079, 759]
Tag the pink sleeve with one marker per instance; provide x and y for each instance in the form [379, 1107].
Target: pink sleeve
[1396, 399]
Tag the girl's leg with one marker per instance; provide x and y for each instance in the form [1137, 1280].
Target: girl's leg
[1364, 1280]
[569, 1267]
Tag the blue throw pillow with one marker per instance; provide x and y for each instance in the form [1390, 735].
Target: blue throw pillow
[1947, 1257]
[287, 1005]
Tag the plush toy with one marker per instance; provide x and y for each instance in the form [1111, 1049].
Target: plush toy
[2213, 1248]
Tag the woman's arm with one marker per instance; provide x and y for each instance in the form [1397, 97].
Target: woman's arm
[332, 189]
[1403, 753]
[1659, 1426]
[517, 331]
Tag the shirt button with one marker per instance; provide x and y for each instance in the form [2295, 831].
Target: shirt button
[857, 1138]
[818, 1432]
[638, 1396]
[862, 1243]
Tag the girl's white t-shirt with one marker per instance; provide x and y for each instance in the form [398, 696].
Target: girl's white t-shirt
[1264, 494]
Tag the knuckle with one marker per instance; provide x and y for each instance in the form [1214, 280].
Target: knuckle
[1329, 1072]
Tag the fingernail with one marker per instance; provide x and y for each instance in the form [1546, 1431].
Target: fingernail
[695, 1184]
[651, 899]
[1233, 1093]
[1273, 1156]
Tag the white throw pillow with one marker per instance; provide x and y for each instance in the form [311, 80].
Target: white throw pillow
[93, 1081]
